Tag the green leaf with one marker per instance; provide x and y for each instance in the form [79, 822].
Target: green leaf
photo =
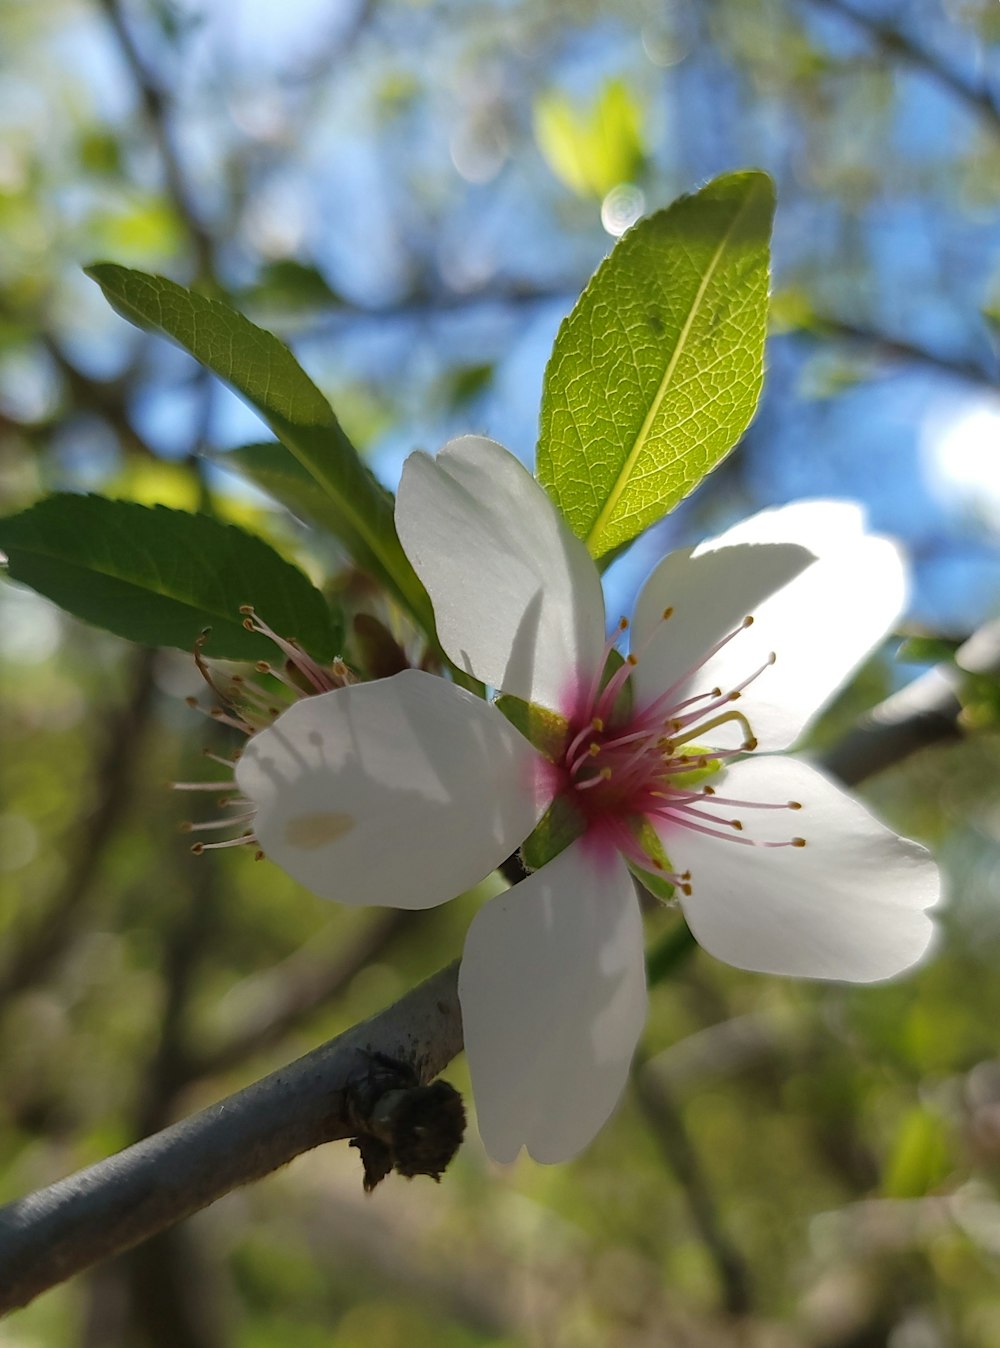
[159, 577]
[265, 373]
[592, 150]
[656, 373]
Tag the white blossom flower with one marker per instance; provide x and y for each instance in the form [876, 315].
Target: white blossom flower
[408, 790]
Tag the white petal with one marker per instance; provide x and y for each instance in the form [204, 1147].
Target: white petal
[849, 905]
[516, 596]
[553, 993]
[820, 623]
[403, 792]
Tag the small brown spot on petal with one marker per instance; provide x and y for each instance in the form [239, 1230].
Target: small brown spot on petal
[316, 830]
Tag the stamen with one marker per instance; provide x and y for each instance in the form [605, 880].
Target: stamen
[244, 838]
[209, 824]
[664, 698]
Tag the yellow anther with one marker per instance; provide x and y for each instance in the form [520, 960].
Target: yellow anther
[750, 743]
[737, 825]
[716, 692]
[246, 608]
[734, 696]
[686, 890]
[668, 613]
[594, 750]
[597, 724]
[248, 624]
[748, 620]
[605, 773]
[708, 791]
[631, 659]
[262, 667]
[795, 805]
[798, 842]
[622, 624]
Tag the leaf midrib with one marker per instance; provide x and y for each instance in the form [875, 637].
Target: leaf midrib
[607, 510]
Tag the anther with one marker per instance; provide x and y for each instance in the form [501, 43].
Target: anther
[247, 608]
[622, 624]
[597, 724]
[795, 805]
[708, 791]
[631, 659]
[798, 842]
[248, 624]
[737, 825]
[750, 744]
[748, 620]
[594, 750]
[668, 613]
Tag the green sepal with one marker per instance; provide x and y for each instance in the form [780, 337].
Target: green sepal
[545, 730]
[561, 824]
[659, 888]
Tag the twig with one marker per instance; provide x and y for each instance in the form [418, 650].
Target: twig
[896, 42]
[292, 990]
[156, 112]
[668, 1127]
[119, 754]
[116, 1203]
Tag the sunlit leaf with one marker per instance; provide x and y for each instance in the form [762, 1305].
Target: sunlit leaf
[591, 150]
[656, 373]
[159, 577]
[264, 372]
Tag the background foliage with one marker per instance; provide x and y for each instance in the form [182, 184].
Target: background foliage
[413, 194]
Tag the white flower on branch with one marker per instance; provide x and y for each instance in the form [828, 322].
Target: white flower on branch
[408, 790]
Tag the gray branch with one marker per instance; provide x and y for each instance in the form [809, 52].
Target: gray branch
[113, 1205]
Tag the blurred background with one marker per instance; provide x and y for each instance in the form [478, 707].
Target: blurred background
[412, 193]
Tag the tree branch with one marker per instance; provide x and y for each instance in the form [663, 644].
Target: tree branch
[895, 42]
[325, 1095]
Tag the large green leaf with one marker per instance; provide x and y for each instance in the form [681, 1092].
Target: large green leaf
[656, 373]
[264, 372]
[160, 577]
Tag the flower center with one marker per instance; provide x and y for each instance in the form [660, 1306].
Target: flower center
[630, 772]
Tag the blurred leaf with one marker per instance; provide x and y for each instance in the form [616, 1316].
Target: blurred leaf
[290, 285]
[159, 577]
[656, 373]
[357, 509]
[143, 228]
[927, 651]
[920, 1159]
[593, 151]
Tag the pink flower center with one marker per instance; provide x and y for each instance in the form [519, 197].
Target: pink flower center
[648, 766]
